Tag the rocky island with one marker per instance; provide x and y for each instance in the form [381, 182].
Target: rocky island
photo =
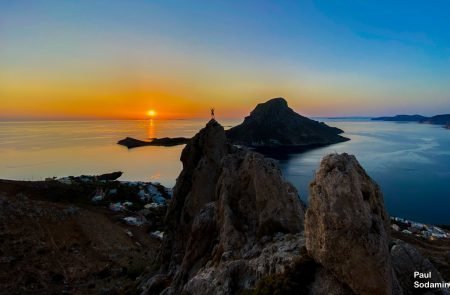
[274, 125]
[271, 126]
[130, 142]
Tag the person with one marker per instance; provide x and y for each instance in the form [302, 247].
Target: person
[212, 114]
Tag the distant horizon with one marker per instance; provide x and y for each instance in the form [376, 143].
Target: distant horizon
[187, 118]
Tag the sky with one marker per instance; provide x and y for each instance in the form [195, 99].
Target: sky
[116, 59]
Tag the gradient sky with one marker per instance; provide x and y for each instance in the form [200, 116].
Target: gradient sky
[118, 59]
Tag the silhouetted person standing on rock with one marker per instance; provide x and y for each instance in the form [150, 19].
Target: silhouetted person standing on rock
[212, 114]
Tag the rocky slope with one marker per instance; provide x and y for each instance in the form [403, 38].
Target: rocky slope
[232, 220]
[236, 227]
[54, 248]
[274, 124]
[55, 239]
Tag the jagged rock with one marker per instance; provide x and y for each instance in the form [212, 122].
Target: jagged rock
[325, 283]
[232, 219]
[274, 124]
[407, 260]
[195, 187]
[347, 226]
[234, 274]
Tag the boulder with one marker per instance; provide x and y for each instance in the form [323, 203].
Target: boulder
[347, 227]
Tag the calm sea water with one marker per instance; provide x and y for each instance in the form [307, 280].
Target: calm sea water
[410, 161]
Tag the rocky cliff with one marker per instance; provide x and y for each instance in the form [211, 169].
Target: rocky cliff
[230, 214]
[234, 225]
[347, 227]
[274, 124]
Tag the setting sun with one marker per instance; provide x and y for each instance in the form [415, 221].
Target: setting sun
[151, 113]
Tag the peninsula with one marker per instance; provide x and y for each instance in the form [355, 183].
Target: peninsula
[130, 142]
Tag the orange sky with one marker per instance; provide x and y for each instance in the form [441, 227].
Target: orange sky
[117, 60]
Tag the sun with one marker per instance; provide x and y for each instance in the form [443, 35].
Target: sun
[151, 113]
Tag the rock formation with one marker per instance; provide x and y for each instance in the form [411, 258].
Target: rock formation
[347, 227]
[232, 220]
[274, 124]
[234, 225]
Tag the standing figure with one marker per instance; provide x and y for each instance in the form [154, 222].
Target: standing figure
[212, 114]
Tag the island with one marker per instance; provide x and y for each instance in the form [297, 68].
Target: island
[275, 125]
[402, 118]
[435, 120]
[130, 142]
[438, 120]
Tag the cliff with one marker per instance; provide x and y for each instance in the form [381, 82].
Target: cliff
[274, 124]
[232, 220]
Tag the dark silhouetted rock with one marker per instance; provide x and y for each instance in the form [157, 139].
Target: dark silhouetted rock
[438, 120]
[165, 141]
[273, 124]
[347, 227]
[110, 176]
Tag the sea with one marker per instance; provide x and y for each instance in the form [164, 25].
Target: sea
[410, 161]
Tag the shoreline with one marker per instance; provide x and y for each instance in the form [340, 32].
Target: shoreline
[428, 231]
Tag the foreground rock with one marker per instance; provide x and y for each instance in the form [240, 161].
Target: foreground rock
[232, 220]
[347, 227]
[274, 125]
[130, 142]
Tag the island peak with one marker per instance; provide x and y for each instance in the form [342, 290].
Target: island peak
[274, 124]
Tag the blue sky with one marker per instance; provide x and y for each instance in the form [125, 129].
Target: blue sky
[326, 57]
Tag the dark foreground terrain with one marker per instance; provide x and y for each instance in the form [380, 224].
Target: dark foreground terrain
[54, 239]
